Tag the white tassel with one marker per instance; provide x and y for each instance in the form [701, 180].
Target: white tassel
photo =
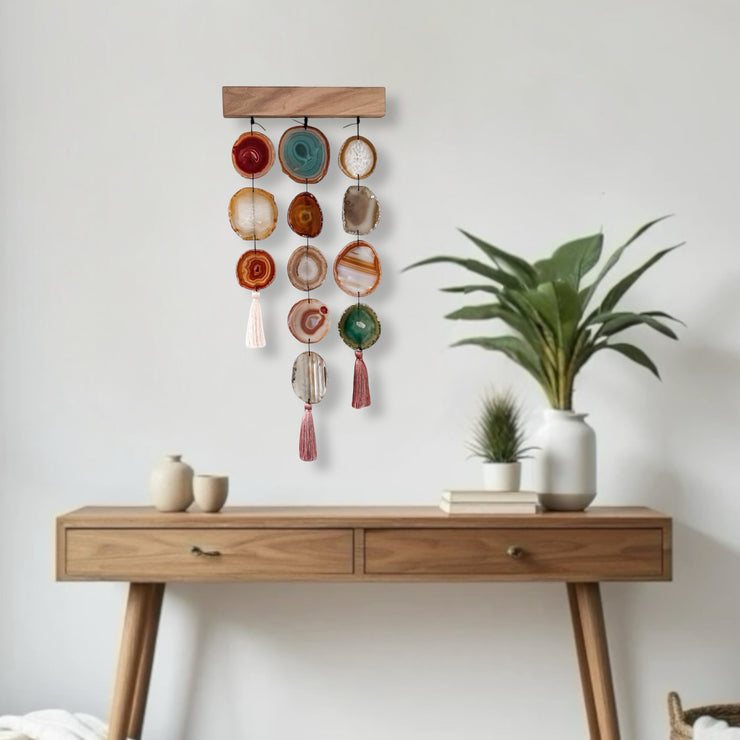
[255, 332]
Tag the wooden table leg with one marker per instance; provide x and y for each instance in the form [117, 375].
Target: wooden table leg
[144, 600]
[151, 626]
[593, 660]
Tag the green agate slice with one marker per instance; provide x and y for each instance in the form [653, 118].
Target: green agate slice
[359, 326]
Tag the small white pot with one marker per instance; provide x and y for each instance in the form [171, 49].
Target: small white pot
[210, 492]
[502, 476]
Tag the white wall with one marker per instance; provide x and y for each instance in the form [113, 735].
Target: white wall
[121, 327]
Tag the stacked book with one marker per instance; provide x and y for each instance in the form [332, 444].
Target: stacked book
[467, 501]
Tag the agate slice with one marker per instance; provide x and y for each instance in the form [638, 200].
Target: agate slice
[255, 269]
[361, 211]
[304, 215]
[308, 320]
[253, 213]
[253, 154]
[359, 326]
[309, 377]
[357, 269]
[304, 154]
[357, 157]
[307, 268]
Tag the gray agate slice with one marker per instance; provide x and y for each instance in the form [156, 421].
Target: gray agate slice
[361, 211]
[309, 377]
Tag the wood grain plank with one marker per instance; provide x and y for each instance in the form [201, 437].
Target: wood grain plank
[294, 102]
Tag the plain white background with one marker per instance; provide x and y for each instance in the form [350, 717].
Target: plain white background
[121, 339]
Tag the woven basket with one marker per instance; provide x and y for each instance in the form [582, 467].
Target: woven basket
[683, 721]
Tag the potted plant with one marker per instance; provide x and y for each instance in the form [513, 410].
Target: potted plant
[558, 318]
[498, 439]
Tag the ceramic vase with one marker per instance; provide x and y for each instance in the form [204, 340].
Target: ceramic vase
[171, 484]
[502, 476]
[564, 461]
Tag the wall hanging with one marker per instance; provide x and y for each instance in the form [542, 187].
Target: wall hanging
[304, 154]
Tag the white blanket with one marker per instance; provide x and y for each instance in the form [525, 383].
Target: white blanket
[708, 728]
[55, 724]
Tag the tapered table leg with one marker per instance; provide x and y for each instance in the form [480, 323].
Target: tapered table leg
[139, 610]
[593, 660]
[141, 691]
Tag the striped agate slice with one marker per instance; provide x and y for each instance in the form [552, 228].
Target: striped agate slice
[357, 157]
[304, 154]
[357, 269]
[304, 215]
[255, 269]
[308, 320]
[252, 154]
[309, 377]
[253, 213]
[360, 211]
[307, 268]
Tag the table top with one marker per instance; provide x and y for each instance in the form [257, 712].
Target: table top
[353, 516]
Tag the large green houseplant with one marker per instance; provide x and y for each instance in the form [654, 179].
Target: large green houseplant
[556, 320]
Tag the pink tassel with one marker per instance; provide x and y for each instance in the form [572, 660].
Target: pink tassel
[307, 442]
[361, 387]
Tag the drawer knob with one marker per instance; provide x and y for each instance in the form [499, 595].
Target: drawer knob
[195, 550]
[514, 551]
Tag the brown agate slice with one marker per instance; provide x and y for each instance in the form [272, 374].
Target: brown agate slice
[255, 269]
[308, 320]
[253, 213]
[357, 269]
[307, 268]
[304, 215]
[253, 154]
[361, 212]
[357, 157]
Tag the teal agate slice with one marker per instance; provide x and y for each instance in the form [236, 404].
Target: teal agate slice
[359, 326]
[304, 154]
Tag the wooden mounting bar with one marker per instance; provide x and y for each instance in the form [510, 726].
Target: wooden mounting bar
[296, 102]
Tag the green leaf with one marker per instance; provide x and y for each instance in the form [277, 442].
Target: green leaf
[498, 276]
[471, 289]
[571, 261]
[494, 311]
[558, 305]
[613, 323]
[514, 348]
[615, 294]
[525, 273]
[635, 354]
[588, 292]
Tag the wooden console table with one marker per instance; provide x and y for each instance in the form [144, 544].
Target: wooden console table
[148, 549]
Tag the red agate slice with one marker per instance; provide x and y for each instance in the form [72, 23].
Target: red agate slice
[253, 154]
[255, 269]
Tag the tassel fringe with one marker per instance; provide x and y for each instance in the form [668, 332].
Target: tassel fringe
[255, 332]
[361, 386]
[307, 442]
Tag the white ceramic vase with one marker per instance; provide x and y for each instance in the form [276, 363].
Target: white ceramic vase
[502, 476]
[171, 484]
[564, 461]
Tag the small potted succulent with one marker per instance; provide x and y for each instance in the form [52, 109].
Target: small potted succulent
[498, 439]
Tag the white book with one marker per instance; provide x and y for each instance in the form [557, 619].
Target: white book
[474, 495]
[485, 508]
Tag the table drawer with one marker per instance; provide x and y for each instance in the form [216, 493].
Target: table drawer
[182, 554]
[516, 554]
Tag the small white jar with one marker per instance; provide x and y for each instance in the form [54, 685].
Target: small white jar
[171, 484]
